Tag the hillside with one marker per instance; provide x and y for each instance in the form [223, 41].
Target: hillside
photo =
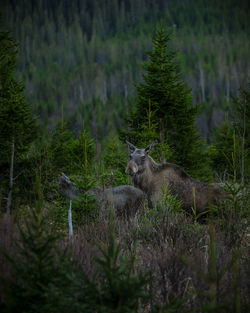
[83, 58]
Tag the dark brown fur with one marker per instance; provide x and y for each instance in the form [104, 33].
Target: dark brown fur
[151, 177]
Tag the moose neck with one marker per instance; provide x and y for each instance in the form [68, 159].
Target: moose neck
[144, 179]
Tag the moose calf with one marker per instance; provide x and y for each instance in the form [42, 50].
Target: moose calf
[125, 199]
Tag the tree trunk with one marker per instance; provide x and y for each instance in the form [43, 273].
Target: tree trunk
[228, 89]
[243, 144]
[202, 82]
[9, 199]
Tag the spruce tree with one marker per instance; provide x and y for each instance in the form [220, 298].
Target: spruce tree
[241, 122]
[221, 152]
[231, 149]
[170, 102]
[119, 288]
[41, 277]
[17, 126]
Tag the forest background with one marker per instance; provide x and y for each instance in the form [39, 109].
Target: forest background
[84, 57]
[81, 61]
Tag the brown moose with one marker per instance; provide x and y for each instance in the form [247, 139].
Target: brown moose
[151, 178]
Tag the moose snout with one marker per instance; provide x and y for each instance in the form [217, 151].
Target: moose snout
[132, 168]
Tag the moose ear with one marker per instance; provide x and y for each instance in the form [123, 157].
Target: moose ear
[150, 147]
[131, 146]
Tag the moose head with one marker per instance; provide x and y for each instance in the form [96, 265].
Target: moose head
[138, 158]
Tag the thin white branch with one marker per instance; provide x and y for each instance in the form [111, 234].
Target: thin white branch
[70, 220]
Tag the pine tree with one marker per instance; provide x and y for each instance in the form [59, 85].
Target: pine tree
[61, 147]
[41, 277]
[232, 141]
[114, 163]
[221, 152]
[171, 104]
[120, 288]
[71, 155]
[241, 121]
[17, 126]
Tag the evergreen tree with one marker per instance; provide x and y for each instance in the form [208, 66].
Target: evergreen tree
[241, 120]
[120, 289]
[114, 163]
[172, 113]
[221, 152]
[61, 147]
[44, 279]
[17, 126]
[231, 149]
[84, 152]
[41, 277]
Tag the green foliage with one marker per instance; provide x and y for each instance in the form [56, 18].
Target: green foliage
[209, 298]
[170, 202]
[241, 119]
[96, 49]
[113, 178]
[44, 280]
[84, 210]
[8, 53]
[150, 132]
[114, 155]
[234, 213]
[84, 151]
[63, 141]
[17, 126]
[153, 223]
[114, 163]
[70, 154]
[57, 214]
[164, 109]
[120, 289]
[85, 207]
[40, 273]
[230, 152]
[221, 152]
[16, 121]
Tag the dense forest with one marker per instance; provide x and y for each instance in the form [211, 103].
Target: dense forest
[84, 57]
[124, 156]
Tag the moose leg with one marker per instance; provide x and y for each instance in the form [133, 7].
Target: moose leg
[150, 203]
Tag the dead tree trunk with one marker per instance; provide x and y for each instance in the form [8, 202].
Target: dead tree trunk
[202, 82]
[243, 144]
[9, 199]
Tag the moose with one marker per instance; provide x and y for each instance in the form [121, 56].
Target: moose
[152, 177]
[125, 199]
